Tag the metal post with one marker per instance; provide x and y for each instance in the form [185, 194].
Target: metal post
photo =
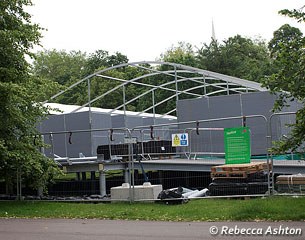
[205, 86]
[126, 175]
[42, 149]
[270, 142]
[130, 168]
[124, 105]
[52, 146]
[154, 109]
[90, 116]
[268, 139]
[65, 128]
[17, 183]
[176, 82]
[102, 183]
[40, 191]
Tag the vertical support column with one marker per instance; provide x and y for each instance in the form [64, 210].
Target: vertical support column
[132, 171]
[228, 89]
[154, 109]
[19, 184]
[78, 176]
[176, 82]
[52, 146]
[204, 86]
[160, 173]
[90, 116]
[270, 157]
[187, 179]
[102, 183]
[92, 175]
[40, 191]
[124, 104]
[65, 128]
[126, 175]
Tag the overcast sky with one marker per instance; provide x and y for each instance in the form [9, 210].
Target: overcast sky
[143, 29]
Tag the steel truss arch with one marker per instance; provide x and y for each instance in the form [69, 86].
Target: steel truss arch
[203, 83]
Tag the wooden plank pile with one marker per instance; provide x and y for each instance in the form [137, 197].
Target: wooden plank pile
[291, 183]
[239, 179]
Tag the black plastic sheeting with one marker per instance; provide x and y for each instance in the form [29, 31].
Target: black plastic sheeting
[172, 196]
[256, 183]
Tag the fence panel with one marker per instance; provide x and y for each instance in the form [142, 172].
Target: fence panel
[289, 167]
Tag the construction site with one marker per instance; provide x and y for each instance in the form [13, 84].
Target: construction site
[213, 143]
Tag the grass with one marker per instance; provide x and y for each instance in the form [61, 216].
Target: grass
[268, 209]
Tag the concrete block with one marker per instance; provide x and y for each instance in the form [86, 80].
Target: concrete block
[141, 192]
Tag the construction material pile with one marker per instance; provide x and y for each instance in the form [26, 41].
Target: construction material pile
[239, 179]
[291, 183]
[181, 195]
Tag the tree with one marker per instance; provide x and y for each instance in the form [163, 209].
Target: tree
[101, 58]
[183, 54]
[209, 57]
[19, 108]
[237, 56]
[287, 49]
[60, 66]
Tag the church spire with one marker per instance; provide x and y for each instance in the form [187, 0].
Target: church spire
[213, 31]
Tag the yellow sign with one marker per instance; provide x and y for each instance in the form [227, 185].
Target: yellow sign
[176, 140]
[180, 140]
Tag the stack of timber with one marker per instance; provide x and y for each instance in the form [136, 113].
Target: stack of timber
[291, 183]
[239, 179]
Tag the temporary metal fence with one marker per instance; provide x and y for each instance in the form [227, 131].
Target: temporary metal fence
[146, 153]
[289, 177]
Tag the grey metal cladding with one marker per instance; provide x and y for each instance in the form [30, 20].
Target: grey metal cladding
[54, 123]
[100, 121]
[258, 103]
[81, 142]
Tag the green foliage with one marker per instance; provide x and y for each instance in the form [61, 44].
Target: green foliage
[298, 14]
[19, 109]
[287, 49]
[60, 66]
[238, 56]
[101, 58]
[183, 54]
[68, 68]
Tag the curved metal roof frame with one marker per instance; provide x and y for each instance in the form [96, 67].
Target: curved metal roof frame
[217, 82]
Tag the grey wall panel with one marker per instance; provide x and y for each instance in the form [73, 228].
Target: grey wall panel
[223, 107]
[54, 123]
[259, 103]
[148, 121]
[81, 142]
[100, 121]
[121, 121]
[134, 121]
[193, 109]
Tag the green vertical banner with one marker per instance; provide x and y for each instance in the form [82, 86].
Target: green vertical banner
[237, 145]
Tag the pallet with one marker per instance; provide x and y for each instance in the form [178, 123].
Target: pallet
[248, 167]
[238, 170]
